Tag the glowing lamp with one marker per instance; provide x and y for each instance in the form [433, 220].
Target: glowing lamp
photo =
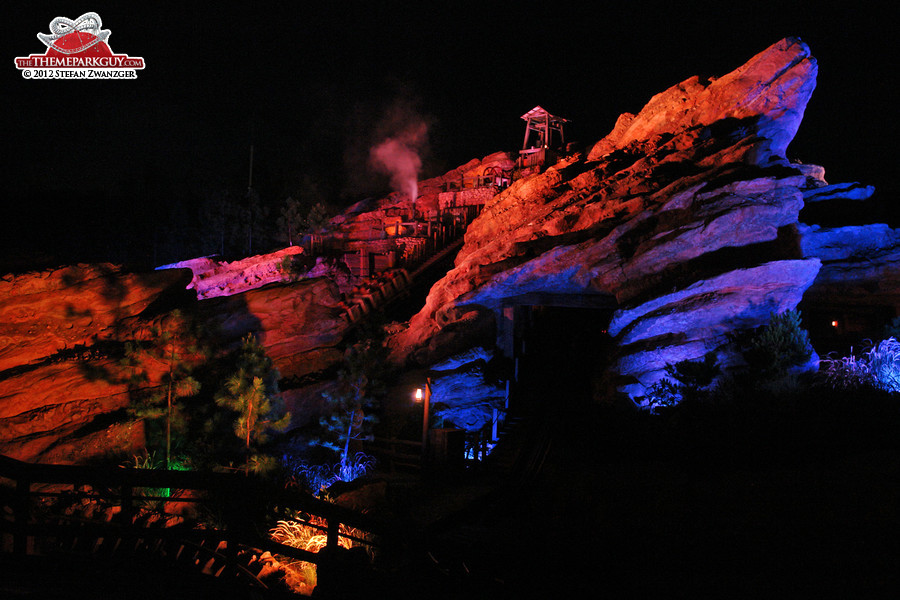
[424, 395]
[834, 323]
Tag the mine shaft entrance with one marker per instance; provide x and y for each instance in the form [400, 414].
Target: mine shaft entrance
[559, 345]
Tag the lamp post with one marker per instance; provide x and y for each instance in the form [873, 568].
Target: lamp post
[426, 397]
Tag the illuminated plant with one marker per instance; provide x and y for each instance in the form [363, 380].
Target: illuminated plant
[317, 478]
[662, 394]
[350, 410]
[149, 460]
[173, 345]
[251, 394]
[878, 367]
[695, 375]
[691, 379]
[308, 533]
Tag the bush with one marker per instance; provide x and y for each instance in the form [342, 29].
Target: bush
[695, 375]
[309, 533]
[662, 394]
[774, 349]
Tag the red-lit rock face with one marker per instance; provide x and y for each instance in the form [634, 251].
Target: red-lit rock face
[685, 213]
[772, 88]
[58, 381]
[48, 320]
[299, 325]
[43, 313]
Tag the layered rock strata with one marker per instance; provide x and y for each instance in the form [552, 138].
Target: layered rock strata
[686, 214]
[59, 383]
[64, 387]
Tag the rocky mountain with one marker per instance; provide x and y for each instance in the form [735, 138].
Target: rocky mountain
[685, 218]
[681, 227]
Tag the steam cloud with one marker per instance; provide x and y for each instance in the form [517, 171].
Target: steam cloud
[398, 156]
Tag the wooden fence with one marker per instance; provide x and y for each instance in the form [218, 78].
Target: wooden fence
[27, 489]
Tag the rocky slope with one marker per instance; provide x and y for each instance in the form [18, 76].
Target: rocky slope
[63, 385]
[686, 214]
[53, 324]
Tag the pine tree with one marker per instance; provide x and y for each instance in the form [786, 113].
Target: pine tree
[360, 384]
[290, 221]
[318, 217]
[172, 344]
[252, 394]
[255, 219]
[780, 345]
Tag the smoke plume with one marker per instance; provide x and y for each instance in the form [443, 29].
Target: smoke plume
[399, 157]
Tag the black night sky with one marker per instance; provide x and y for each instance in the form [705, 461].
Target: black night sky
[95, 165]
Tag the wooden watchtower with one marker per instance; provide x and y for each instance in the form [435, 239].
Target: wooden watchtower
[544, 138]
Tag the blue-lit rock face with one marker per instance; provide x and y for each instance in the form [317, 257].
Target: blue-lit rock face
[860, 264]
[839, 191]
[461, 394]
[686, 213]
[688, 323]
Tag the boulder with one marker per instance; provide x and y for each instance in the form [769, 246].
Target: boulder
[462, 394]
[860, 264]
[769, 93]
[840, 191]
[690, 322]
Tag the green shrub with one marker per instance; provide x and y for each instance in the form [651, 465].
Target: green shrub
[775, 348]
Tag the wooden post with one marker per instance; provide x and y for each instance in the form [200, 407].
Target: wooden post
[332, 533]
[527, 130]
[426, 409]
[363, 262]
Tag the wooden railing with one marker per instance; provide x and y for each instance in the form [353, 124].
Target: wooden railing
[533, 157]
[396, 453]
[468, 183]
[26, 489]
